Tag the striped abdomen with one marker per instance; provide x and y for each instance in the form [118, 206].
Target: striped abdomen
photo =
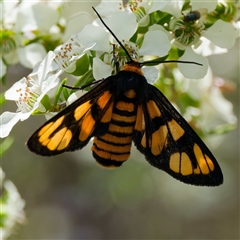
[113, 148]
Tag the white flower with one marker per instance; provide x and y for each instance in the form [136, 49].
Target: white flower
[28, 93]
[103, 39]
[192, 37]
[68, 53]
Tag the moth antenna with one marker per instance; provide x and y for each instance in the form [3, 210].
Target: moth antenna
[125, 50]
[168, 61]
[83, 86]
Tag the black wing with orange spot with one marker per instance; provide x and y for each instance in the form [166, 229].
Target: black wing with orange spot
[170, 144]
[72, 128]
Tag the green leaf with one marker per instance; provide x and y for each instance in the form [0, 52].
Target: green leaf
[85, 79]
[156, 61]
[82, 66]
[59, 91]
[159, 17]
[46, 102]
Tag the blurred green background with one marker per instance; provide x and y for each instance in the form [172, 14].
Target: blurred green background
[71, 197]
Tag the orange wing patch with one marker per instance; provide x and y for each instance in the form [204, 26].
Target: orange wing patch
[47, 130]
[140, 122]
[87, 127]
[55, 140]
[204, 162]
[80, 111]
[175, 129]
[153, 109]
[181, 163]
[45, 133]
[104, 99]
[65, 140]
[159, 140]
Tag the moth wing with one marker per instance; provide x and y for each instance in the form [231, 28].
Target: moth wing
[170, 144]
[72, 128]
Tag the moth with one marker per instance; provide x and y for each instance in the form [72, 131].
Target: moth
[123, 109]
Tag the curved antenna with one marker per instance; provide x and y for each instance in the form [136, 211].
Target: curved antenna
[168, 61]
[125, 50]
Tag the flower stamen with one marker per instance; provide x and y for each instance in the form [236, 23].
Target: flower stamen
[68, 52]
[27, 97]
[188, 33]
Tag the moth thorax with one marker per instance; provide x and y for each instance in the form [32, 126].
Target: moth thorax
[133, 67]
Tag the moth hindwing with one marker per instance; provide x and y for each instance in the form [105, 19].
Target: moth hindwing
[125, 108]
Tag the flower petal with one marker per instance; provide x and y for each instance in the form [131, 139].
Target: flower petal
[174, 8]
[31, 54]
[158, 5]
[101, 69]
[75, 24]
[162, 29]
[8, 120]
[151, 74]
[209, 5]
[51, 82]
[12, 92]
[155, 43]
[193, 71]
[74, 96]
[108, 7]
[123, 24]
[207, 48]
[46, 66]
[221, 34]
[93, 34]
